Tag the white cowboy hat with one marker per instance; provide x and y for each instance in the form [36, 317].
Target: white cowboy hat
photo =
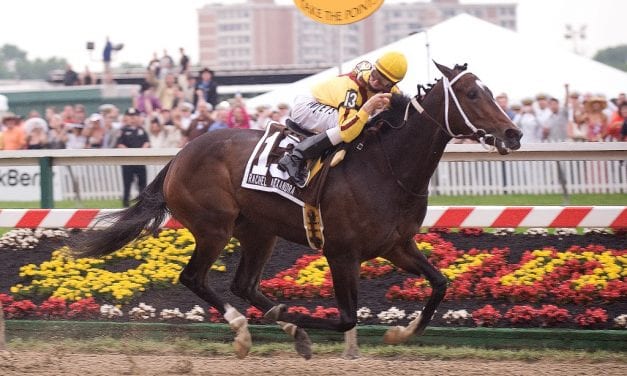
[33, 123]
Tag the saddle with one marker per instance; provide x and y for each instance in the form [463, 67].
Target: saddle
[262, 174]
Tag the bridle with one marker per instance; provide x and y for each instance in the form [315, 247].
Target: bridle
[477, 134]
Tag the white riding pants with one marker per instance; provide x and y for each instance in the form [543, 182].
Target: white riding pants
[316, 117]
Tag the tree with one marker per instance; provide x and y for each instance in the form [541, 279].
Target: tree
[613, 56]
[14, 64]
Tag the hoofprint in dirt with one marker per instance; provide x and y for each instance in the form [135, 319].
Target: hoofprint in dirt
[68, 364]
[372, 291]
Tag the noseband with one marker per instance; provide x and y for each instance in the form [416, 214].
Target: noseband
[477, 134]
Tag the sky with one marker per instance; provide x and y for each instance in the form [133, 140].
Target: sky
[47, 28]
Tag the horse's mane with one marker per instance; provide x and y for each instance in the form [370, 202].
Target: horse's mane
[396, 112]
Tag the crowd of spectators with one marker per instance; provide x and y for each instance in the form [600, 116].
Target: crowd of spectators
[175, 106]
[577, 117]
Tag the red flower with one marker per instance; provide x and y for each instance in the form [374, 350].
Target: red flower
[550, 315]
[591, 316]
[214, 315]
[85, 308]
[521, 314]
[326, 313]
[52, 308]
[20, 309]
[486, 316]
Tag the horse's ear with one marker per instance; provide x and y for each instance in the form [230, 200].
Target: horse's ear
[448, 72]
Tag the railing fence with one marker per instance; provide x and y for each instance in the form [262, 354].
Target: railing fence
[451, 178]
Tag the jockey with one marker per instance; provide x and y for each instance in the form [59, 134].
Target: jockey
[338, 109]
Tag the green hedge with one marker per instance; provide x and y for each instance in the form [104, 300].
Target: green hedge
[614, 340]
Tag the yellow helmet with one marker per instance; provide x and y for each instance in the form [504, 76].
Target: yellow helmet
[392, 65]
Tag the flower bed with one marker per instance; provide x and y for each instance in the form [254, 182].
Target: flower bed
[541, 286]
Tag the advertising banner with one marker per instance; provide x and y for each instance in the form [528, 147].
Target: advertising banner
[22, 183]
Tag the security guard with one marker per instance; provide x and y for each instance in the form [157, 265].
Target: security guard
[339, 108]
[133, 135]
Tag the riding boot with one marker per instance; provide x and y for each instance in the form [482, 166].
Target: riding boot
[310, 148]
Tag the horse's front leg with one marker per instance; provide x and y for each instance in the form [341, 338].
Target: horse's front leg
[409, 258]
[345, 272]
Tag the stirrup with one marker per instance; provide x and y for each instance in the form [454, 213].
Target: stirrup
[303, 183]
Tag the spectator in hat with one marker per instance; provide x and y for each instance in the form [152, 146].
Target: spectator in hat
[595, 118]
[515, 109]
[14, 137]
[36, 131]
[541, 108]
[76, 139]
[95, 132]
[132, 135]
[206, 88]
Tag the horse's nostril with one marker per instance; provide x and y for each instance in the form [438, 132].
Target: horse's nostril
[513, 134]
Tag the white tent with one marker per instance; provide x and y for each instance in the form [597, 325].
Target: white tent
[503, 59]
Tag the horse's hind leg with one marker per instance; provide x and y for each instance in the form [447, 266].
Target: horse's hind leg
[194, 276]
[410, 259]
[256, 249]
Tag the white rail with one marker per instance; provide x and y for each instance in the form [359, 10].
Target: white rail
[558, 151]
[466, 169]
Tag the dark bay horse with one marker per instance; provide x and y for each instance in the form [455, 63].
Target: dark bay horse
[373, 205]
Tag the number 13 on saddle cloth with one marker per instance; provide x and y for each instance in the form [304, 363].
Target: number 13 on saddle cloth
[262, 174]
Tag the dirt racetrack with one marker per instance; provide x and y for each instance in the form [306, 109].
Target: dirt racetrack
[37, 363]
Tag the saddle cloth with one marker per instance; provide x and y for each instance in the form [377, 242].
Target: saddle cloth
[262, 172]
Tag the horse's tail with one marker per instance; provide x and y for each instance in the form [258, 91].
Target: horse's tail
[148, 213]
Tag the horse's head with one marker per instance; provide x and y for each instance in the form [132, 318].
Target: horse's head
[470, 110]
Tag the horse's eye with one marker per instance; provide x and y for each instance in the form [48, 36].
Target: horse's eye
[472, 94]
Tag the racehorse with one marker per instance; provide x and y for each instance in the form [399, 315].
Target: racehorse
[373, 205]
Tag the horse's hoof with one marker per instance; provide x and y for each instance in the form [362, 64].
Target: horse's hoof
[394, 336]
[302, 343]
[351, 354]
[242, 343]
